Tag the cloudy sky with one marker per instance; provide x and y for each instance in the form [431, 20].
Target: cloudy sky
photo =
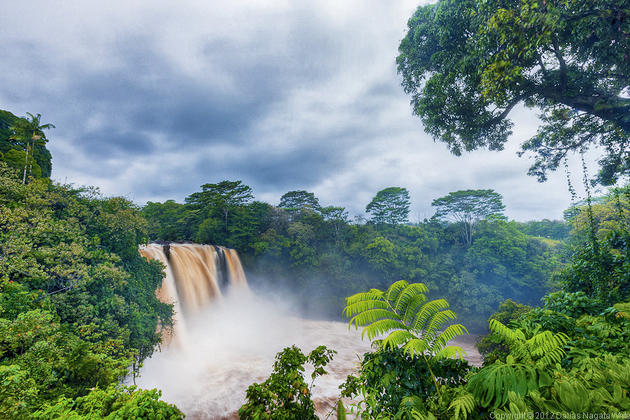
[153, 99]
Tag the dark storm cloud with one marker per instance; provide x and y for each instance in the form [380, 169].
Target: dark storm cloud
[116, 142]
[153, 102]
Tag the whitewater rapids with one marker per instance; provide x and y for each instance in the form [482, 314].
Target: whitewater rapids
[232, 344]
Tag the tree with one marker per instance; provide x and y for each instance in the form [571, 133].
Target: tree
[285, 394]
[337, 218]
[223, 197]
[467, 64]
[29, 132]
[468, 207]
[389, 206]
[299, 200]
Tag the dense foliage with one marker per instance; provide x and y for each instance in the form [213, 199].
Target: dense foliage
[18, 148]
[77, 303]
[389, 206]
[285, 395]
[324, 257]
[388, 376]
[468, 63]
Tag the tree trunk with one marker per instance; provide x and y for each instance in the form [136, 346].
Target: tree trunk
[25, 165]
[30, 168]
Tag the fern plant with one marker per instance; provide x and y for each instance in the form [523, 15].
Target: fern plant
[527, 369]
[407, 320]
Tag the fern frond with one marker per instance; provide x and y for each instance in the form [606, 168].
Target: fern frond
[364, 305]
[382, 326]
[373, 294]
[547, 347]
[492, 384]
[451, 352]
[437, 322]
[372, 315]
[550, 358]
[407, 294]
[393, 291]
[397, 338]
[426, 313]
[450, 333]
[508, 335]
[416, 346]
[414, 304]
[462, 406]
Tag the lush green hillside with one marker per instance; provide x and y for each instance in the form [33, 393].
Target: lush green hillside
[78, 310]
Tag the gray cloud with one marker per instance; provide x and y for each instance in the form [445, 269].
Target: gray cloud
[152, 103]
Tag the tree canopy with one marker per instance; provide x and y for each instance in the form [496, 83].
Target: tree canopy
[468, 207]
[468, 63]
[389, 206]
[299, 200]
[78, 308]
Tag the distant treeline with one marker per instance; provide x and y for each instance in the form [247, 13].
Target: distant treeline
[321, 256]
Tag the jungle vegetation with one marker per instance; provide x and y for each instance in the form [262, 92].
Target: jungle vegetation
[78, 310]
[468, 252]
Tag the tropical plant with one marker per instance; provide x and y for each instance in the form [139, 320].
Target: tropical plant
[527, 368]
[28, 132]
[296, 201]
[409, 320]
[285, 394]
[113, 402]
[388, 376]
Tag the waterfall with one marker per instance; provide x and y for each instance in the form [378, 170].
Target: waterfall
[194, 276]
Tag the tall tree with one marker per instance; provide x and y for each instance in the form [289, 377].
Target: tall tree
[468, 63]
[29, 132]
[296, 201]
[468, 207]
[389, 206]
[337, 218]
[223, 198]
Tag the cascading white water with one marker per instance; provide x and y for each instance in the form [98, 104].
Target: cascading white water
[193, 277]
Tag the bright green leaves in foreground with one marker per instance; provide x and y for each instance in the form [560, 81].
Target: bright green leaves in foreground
[114, 402]
[409, 320]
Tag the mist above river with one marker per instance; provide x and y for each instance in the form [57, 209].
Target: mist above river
[232, 343]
